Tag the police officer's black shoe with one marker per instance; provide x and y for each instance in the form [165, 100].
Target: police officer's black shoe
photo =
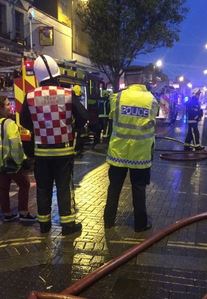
[108, 225]
[45, 227]
[141, 229]
[71, 228]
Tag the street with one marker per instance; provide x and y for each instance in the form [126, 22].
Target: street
[175, 267]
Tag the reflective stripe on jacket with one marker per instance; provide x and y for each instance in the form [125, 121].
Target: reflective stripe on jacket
[103, 110]
[133, 111]
[51, 113]
[12, 145]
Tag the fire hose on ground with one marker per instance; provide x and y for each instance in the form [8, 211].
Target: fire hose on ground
[80, 285]
[176, 155]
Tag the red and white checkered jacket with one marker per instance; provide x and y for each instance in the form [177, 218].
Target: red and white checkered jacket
[51, 112]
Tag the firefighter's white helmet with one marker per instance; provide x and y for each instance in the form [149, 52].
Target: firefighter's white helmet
[196, 91]
[45, 67]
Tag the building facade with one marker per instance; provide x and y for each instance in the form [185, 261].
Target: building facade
[41, 27]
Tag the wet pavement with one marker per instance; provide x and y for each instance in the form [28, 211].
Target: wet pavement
[173, 268]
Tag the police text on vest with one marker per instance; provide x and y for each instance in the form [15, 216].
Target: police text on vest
[134, 111]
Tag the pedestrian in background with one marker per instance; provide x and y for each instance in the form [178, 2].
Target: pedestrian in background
[194, 115]
[11, 147]
[47, 111]
[133, 112]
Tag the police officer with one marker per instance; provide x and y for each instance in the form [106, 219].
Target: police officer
[194, 115]
[133, 112]
[48, 111]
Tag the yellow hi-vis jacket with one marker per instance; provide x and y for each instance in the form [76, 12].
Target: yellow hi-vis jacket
[133, 112]
[12, 145]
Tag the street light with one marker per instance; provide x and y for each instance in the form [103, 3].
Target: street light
[158, 63]
[205, 72]
[30, 18]
[190, 85]
[181, 78]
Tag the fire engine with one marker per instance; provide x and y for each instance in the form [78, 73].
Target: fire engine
[24, 81]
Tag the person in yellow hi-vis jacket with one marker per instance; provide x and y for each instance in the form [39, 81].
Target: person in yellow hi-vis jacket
[47, 111]
[11, 147]
[133, 112]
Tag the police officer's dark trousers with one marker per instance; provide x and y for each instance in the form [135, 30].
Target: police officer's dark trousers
[50, 170]
[139, 179]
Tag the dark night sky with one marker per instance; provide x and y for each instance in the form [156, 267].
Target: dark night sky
[188, 57]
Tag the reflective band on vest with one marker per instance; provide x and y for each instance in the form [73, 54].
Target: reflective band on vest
[150, 125]
[51, 152]
[133, 137]
[128, 162]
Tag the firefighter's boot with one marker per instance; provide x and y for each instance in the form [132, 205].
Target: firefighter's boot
[45, 227]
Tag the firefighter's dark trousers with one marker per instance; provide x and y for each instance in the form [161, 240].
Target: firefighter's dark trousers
[48, 171]
[193, 134]
[139, 179]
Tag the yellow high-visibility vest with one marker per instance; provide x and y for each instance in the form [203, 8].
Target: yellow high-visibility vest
[133, 112]
[12, 145]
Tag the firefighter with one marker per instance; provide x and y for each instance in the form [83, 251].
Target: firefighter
[133, 112]
[48, 111]
[103, 113]
[80, 133]
[194, 115]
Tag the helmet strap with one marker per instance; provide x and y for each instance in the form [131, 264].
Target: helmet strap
[46, 65]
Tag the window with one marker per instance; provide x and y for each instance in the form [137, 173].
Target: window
[19, 26]
[3, 29]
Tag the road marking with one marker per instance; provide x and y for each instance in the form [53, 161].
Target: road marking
[96, 153]
[40, 239]
[200, 246]
[81, 162]
[124, 242]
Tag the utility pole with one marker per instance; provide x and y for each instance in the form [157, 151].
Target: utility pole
[30, 17]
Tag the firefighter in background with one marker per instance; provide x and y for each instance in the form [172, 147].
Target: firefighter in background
[103, 113]
[165, 104]
[78, 131]
[48, 112]
[133, 111]
[93, 124]
[194, 115]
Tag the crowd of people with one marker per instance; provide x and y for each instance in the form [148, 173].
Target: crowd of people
[49, 112]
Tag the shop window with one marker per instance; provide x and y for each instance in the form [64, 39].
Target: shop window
[19, 26]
